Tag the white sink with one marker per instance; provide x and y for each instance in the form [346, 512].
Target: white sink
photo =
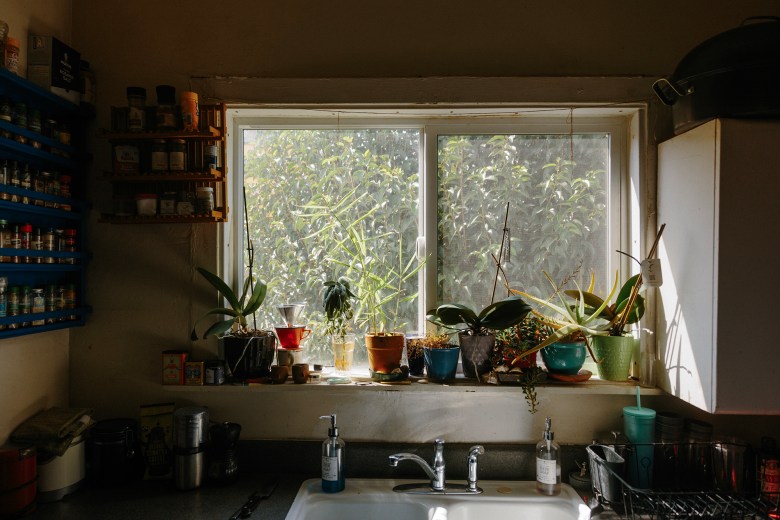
[374, 499]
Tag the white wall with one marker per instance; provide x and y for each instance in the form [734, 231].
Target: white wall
[142, 281]
[33, 369]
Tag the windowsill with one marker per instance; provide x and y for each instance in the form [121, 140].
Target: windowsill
[462, 385]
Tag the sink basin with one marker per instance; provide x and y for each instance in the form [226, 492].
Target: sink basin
[375, 499]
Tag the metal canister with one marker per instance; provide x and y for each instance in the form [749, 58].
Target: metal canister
[190, 426]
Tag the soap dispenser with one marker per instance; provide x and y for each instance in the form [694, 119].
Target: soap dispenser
[332, 459]
[548, 463]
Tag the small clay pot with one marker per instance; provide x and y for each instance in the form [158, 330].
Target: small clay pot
[300, 373]
[279, 373]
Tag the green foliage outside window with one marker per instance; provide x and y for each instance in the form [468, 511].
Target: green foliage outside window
[558, 212]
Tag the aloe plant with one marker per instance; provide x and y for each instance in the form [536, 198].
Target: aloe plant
[251, 299]
[496, 316]
[572, 319]
[614, 313]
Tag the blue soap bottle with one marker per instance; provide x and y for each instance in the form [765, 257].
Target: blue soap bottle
[332, 459]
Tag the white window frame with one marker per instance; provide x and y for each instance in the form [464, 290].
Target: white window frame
[625, 156]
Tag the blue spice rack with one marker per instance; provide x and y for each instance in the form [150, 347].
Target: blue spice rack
[53, 156]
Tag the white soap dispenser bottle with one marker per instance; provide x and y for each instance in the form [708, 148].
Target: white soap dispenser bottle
[548, 463]
[332, 459]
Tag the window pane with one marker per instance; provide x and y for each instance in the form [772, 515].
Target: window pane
[284, 170]
[557, 190]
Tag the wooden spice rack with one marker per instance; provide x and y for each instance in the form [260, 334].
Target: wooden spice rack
[126, 184]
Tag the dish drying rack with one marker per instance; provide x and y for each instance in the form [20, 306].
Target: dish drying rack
[687, 480]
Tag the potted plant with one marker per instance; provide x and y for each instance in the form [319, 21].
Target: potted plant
[414, 354]
[441, 358]
[379, 281]
[510, 367]
[474, 330]
[571, 326]
[247, 351]
[613, 351]
[339, 311]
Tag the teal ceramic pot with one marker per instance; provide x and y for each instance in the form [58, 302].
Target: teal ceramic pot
[564, 358]
[441, 363]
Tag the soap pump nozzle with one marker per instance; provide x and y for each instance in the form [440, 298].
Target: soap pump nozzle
[333, 431]
[548, 435]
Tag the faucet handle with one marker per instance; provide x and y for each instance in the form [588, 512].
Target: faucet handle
[476, 450]
[438, 448]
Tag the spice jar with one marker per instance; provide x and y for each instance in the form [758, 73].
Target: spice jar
[210, 156]
[204, 200]
[177, 155]
[166, 107]
[159, 156]
[136, 114]
[190, 114]
[12, 54]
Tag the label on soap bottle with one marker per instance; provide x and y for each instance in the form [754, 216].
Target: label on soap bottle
[330, 468]
[546, 471]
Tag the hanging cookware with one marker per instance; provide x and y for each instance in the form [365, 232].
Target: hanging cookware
[733, 74]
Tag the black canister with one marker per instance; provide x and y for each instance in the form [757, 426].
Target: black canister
[223, 460]
[113, 456]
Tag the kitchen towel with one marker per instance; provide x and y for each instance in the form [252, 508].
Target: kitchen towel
[52, 431]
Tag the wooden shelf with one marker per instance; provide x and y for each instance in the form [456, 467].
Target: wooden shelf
[216, 216]
[211, 175]
[211, 135]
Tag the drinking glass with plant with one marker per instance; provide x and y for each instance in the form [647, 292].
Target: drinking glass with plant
[377, 263]
[339, 311]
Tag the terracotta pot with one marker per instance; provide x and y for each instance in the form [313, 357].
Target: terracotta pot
[384, 351]
[476, 352]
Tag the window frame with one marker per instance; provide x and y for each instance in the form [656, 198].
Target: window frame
[626, 155]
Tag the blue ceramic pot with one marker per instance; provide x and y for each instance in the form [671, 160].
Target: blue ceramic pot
[441, 363]
[564, 358]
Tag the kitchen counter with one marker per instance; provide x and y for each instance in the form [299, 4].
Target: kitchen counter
[296, 461]
[159, 500]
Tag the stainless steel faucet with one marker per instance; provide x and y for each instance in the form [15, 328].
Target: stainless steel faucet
[435, 473]
[474, 451]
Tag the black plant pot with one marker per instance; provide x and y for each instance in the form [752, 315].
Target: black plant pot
[249, 357]
[417, 365]
[476, 352]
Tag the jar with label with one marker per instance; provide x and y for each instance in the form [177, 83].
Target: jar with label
[25, 234]
[204, 200]
[177, 155]
[70, 245]
[16, 243]
[12, 308]
[190, 113]
[210, 156]
[166, 107]
[5, 239]
[51, 186]
[50, 302]
[69, 297]
[36, 244]
[136, 103]
[25, 303]
[63, 186]
[38, 305]
[12, 47]
[59, 299]
[49, 244]
[19, 114]
[5, 108]
[64, 133]
[34, 119]
[5, 178]
[168, 203]
[159, 156]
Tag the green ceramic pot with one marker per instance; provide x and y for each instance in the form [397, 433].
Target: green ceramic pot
[613, 356]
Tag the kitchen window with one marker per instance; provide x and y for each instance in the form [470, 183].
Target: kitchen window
[433, 185]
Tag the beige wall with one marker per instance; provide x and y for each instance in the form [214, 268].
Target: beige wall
[33, 369]
[142, 281]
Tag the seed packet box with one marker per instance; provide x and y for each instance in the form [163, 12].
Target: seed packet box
[54, 66]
